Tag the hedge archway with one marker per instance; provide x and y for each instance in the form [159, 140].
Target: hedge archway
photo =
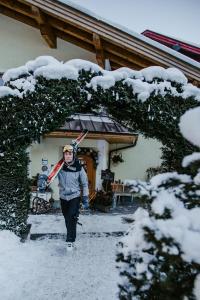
[37, 98]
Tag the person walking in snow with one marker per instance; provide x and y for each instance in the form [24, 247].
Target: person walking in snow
[72, 179]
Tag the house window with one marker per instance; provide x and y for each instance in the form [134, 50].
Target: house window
[1, 80]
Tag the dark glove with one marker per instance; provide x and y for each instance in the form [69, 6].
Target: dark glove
[85, 202]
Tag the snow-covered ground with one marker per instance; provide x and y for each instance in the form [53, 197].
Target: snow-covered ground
[90, 223]
[43, 269]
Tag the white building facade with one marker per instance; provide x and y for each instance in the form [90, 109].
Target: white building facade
[22, 43]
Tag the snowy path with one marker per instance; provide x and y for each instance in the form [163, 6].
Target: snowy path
[42, 269]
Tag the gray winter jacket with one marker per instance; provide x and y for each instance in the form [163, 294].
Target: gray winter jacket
[71, 179]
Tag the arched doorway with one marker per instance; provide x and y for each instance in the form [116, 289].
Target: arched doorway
[88, 164]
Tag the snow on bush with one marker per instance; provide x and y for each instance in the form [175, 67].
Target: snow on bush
[57, 71]
[160, 179]
[40, 61]
[159, 258]
[6, 91]
[187, 160]
[80, 64]
[190, 125]
[14, 73]
[142, 82]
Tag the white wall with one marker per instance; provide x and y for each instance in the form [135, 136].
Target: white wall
[21, 43]
[138, 159]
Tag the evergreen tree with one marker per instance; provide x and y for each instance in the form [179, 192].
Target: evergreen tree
[159, 258]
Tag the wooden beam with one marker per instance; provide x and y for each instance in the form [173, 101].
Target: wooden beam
[18, 16]
[17, 7]
[73, 40]
[127, 55]
[89, 24]
[70, 29]
[99, 50]
[107, 33]
[45, 29]
[124, 40]
[114, 65]
[111, 138]
[196, 83]
[122, 62]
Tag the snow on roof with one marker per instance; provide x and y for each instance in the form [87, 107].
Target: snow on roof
[133, 33]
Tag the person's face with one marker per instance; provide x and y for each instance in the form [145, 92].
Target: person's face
[68, 156]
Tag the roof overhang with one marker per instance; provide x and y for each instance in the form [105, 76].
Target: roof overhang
[55, 19]
[111, 138]
[171, 41]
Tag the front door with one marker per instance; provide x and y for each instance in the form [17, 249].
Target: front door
[88, 164]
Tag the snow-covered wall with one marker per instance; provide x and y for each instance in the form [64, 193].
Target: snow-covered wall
[137, 160]
[21, 43]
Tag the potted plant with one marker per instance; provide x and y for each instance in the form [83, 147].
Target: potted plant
[117, 158]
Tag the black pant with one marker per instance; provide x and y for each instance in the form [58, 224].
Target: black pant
[70, 210]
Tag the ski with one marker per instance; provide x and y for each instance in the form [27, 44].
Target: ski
[56, 169]
[79, 139]
[54, 172]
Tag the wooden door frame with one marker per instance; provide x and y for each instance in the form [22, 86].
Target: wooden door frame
[92, 170]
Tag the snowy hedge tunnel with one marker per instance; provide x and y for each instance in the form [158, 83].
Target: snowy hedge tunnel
[38, 97]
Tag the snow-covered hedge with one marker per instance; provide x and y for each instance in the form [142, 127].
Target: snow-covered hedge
[39, 96]
[159, 258]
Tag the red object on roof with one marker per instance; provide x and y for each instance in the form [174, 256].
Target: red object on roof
[187, 49]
